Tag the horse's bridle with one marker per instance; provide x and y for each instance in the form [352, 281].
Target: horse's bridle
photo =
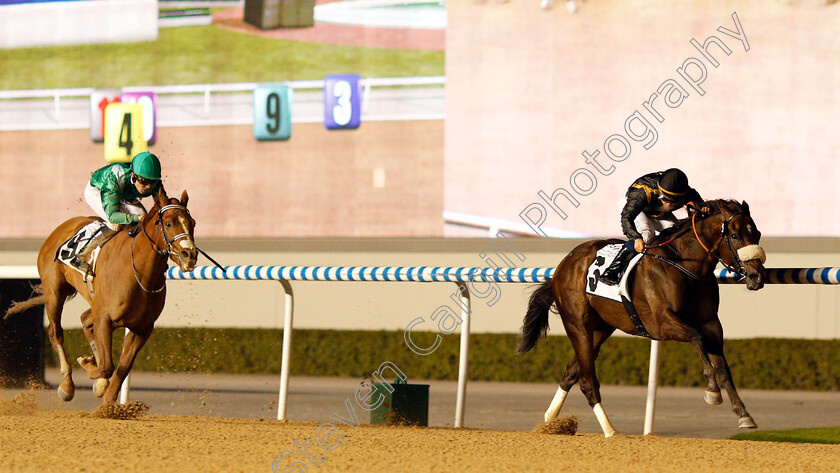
[724, 233]
[169, 242]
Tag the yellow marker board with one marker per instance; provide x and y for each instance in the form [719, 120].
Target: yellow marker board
[124, 132]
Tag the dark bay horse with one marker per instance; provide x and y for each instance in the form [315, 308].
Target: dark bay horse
[129, 289]
[675, 301]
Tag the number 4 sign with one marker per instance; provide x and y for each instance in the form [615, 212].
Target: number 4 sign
[342, 102]
[123, 132]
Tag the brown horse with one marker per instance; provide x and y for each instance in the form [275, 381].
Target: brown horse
[675, 294]
[129, 289]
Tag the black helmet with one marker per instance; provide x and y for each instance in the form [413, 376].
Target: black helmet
[673, 183]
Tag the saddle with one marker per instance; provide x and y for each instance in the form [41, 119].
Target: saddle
[620, 293]
[69, 251]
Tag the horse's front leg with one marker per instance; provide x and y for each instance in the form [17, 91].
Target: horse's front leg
[131, 346]
[712, 395]
[103, 331]
[745, 420]
[713, 340]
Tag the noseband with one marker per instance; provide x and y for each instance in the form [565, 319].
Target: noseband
[754, 253]
[169, 242]
[177, 237]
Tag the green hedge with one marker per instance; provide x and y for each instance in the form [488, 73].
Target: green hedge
[756, 363]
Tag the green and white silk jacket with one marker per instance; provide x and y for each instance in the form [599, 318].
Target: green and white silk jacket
[115, 186]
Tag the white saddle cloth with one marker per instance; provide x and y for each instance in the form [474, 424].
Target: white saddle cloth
[71, 248]
[603, 258]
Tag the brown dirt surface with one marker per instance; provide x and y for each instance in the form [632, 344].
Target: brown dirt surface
[184, 444]
[21, 405]
[565, 426]
[132, 410]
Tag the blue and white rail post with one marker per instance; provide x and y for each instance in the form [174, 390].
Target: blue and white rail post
[285, 362]
[464, 356]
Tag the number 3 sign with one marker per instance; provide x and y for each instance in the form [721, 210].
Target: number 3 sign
[272, 112]
[342, 102]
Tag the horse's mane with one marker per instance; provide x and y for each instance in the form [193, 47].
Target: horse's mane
[717, 207]
[155, 205]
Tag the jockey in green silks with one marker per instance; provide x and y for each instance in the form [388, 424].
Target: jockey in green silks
[114, 194]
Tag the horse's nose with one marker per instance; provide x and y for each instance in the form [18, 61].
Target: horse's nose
[755, 281]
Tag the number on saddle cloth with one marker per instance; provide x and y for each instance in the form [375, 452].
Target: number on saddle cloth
[603, 259]
[68, 251]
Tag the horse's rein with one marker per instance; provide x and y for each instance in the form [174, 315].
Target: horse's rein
[159, 227]
[741, 271]
[694, 227]
[678, 266]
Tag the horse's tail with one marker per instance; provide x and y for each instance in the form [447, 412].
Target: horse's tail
[18, 307]
[535, 324]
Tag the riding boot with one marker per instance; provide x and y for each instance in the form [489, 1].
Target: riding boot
[612, 275]
[82, 259]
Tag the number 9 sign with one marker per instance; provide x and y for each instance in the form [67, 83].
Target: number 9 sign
[342, 102]
[272, 112]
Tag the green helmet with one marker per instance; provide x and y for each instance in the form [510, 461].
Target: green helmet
[146, 165]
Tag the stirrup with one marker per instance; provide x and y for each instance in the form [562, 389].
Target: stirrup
[82, 266]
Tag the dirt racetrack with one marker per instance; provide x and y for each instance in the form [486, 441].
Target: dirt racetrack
[51, 440]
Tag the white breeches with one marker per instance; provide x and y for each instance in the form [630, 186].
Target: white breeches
[649, 227]
[93, 197]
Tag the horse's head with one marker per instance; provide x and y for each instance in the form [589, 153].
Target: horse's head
[177, 226]
[738, 246]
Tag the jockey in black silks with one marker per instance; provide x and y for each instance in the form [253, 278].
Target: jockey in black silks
[651, 201]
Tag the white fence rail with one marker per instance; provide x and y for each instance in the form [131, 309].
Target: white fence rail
[427, 274]
[397, 98]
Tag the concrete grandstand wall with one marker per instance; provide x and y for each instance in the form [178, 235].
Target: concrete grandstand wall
[319, 183]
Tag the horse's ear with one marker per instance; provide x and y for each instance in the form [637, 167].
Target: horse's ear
[746, 207]
[184, 198]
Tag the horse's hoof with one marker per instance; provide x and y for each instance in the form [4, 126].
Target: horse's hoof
[746, 422]
[100, 386]
[68, 394]
[713, 398]
[87, 362]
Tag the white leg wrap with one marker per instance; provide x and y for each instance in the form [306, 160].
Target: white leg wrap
[608, 429]
[99, 387]
[62, 358]
[556, 405]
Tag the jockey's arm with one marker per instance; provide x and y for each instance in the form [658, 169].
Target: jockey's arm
[111, 205]
[636, 202]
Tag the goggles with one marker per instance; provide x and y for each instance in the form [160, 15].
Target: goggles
[142, 180]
